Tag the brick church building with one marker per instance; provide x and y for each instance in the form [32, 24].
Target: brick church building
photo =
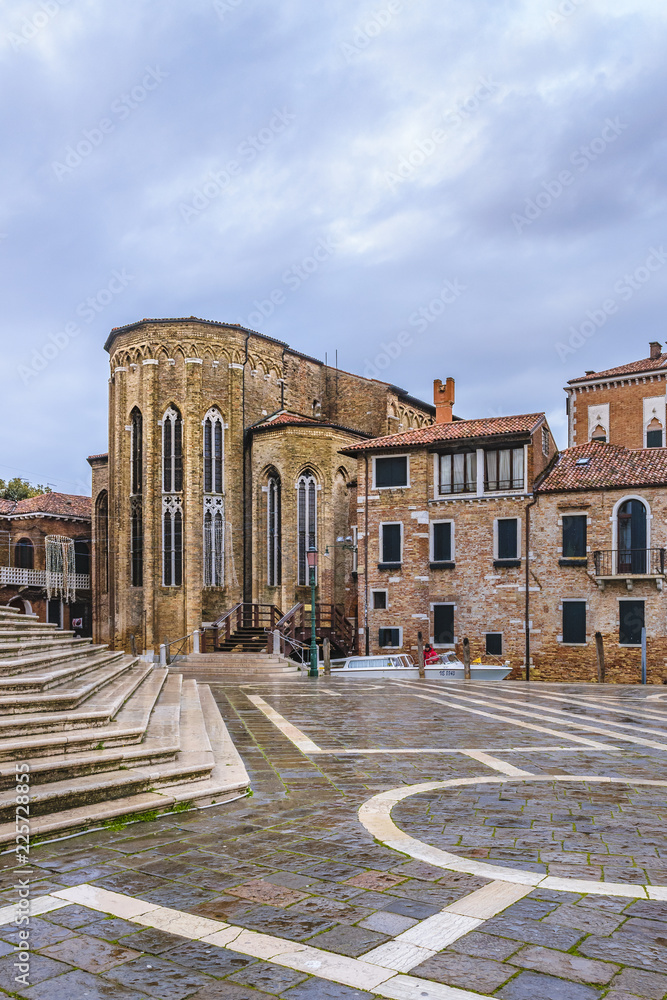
[224, 467]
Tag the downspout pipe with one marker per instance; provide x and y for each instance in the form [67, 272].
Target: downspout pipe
[527, 605]
[246, 581]
[367, 635]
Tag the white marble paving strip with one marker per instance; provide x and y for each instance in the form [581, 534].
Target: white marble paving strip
[337, 968]
[657, 892]
[440, 930]
[40, 904]
[177, 922]
[597, 888]
[399, 955]
[116, 903]
[298, 738]
[490, 900]
[496, 764]
[564, 719]
[515, 722]
[636, 709]
[412, 988]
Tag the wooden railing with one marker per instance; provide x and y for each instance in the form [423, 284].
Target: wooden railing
[295, 624]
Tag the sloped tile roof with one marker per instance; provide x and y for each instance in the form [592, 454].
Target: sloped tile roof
[457, 430]
[54, 504]
[609, 466]
[284, 417]
[6, 506]
[647, 365]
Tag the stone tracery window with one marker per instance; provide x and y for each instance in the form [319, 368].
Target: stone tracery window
[214, 504]
[136, 504]
[213, 452]
[172, 503]
[273, 531]
[306, 523]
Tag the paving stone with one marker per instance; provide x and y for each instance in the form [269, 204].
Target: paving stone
[346, 940]
[79, 985]
[411, 908]
[229, 991]
[260, 891]
[481, 975]
[42, 933]
[73, 916]
[91, 954]
[265, 976]
[320, 989]
[534, 932]
[650, 985]
[158, 978]
[558, 963]
[585, 919]
[652, 910]
[41, 967]
[375, 880]
[207, 958]
[626, 949]
[481, 945]
[111, 929]
[387, 923]
[532, 986]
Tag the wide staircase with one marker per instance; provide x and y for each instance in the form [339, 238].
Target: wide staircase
[105, 735]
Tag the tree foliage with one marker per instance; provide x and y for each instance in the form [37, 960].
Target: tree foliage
[20, 489]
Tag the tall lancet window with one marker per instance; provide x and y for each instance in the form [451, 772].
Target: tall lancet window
[172, 503]
[306, 490]
[172, 451]
[136, 503]
[214, 504]
[273, 529]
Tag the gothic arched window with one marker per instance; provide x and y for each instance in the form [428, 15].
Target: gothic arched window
[102, 540]
[214, 543]
[136, 424]
[213, 452]
[273, 531]
[306, 489]
[172, 451]
[24, 554]
[172, 542]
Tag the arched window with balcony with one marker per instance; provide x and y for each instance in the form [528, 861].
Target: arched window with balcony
[306, 489]
[273, 530]
[172, 451]
[632, 536]
[102, 541]
[24, 554]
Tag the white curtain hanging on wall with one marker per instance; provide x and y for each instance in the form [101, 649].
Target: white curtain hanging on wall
[60, 568]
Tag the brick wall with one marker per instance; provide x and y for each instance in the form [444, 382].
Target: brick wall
[624, 398]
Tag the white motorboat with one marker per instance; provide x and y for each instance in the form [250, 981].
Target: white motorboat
[401, 666]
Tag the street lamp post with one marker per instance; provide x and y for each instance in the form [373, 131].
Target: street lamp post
[312, 566]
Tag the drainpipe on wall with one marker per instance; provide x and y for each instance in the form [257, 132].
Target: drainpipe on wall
[246, 575]
[527, 612]
[366, 629]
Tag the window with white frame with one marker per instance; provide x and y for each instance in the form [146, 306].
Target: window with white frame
[442, 541]
[306, 497]
[379, 600]
[507, 539]
[390, 638]
[458, 472]
[503, 470]
[391, 471]
[391, 544]
[443, 624]
[574, 622]
[273, 531]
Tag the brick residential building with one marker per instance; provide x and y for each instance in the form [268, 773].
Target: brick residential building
[24, 527]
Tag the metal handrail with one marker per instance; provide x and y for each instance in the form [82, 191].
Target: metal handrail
[629, 562]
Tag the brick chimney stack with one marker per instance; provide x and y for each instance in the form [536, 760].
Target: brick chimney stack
[656, 349]
[443, 397]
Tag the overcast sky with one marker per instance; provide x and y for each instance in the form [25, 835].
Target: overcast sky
[484, 184]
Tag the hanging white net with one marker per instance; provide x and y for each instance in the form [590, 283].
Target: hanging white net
[60, 568]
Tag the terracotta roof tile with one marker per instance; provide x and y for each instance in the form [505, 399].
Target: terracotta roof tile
[55, 504]
[634, 368]
[596, 466]
[458, 430]
[6, 506]
[284, 417]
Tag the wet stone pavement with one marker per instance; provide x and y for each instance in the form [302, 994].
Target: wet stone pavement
[294, 861]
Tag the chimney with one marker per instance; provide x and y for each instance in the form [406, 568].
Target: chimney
[443, 397]
[656, 349]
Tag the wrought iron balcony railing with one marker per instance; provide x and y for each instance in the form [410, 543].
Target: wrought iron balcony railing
[629, 562]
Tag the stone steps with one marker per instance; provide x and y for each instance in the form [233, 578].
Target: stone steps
[212, 667]
[104, 734]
